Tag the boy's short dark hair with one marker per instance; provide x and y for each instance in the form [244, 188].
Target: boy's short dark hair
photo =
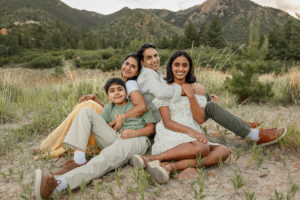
[116, 81]
[140, 52]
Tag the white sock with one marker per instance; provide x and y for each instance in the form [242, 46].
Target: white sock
[63, 184]
[254, 134]
[79, 157]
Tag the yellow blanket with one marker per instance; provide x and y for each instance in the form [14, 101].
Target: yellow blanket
[52, 145]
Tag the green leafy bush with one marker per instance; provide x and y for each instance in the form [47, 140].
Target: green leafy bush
[245, 84]
[69, 54]
[106, 54]
[112, 63]
[46, 61]
[164, 56]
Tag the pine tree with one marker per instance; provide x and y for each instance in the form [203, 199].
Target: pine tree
[293, 37]
[215, 34]
[174, 41]
[277, 43]
[245, 83]
[190, 36]
[203, 34]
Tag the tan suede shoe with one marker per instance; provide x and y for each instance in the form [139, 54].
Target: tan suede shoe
[71, 164]
[44, 185]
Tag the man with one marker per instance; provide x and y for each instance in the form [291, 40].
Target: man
[152, 84]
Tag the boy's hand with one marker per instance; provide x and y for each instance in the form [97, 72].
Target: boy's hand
[199, 136]
[117, 123]
[214, 98]
[126, 134]
[198, 89]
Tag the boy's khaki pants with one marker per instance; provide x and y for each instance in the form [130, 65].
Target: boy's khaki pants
[115, 153]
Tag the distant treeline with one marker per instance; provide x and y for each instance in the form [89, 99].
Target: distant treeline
[284, 41]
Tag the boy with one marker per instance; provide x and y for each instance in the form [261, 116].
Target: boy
[117, 147]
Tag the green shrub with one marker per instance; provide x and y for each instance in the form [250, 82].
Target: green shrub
[69, 54]
[106, 54]
[4, 61]
[7, 114]
[112, 63]
[45, 61]
[164, 56]
[56, 53]
[246, 86]
[92, 64]
[59, 71]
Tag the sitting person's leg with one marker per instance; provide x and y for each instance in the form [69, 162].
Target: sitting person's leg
[160, 172]
[241, 128]
[86, 121]
[183, 151]
[53, 142]
[110, 158]
[189, 150]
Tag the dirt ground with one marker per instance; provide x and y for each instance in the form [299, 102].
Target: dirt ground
[250, 173]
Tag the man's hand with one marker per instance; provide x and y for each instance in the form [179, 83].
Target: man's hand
[198, 89]
[214, 98]
[87, 97]
[126, 134]
[199, 136]
[117, 123]
[187, 89]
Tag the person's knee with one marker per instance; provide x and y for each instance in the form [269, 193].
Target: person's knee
[224, 152]
[86, 110]
[211, 105]
[201, 149]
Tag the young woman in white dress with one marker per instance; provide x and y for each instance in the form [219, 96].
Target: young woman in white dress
[178, 136]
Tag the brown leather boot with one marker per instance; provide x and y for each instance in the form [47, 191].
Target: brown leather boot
[71, 164]
[254, 124]
[270, 136]
[44, 185]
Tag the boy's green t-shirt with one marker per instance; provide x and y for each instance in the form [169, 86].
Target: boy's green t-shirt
[110, 110]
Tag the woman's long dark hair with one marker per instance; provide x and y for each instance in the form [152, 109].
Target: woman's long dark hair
[135, 56]
[190, 77]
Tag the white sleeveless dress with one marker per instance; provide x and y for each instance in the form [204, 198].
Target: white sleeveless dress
[180, 112]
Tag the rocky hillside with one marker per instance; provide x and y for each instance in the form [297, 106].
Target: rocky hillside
[235, 15]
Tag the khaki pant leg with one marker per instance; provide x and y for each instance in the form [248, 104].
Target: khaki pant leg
[86, 121]
[54, 140]
[109, 158]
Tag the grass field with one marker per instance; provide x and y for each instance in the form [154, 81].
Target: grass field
[34, 102]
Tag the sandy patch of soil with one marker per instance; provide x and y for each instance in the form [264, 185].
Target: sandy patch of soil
[272, 169]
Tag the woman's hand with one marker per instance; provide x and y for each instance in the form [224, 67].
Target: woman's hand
[187, 89]
[214, 98]
[198, 89]
[126, 134]
[91, 97]
[87, 97]
[199, 136]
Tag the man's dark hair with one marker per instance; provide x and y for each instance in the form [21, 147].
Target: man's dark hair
[140, 52]
[190, 77]
[135, 56]
[116, 81]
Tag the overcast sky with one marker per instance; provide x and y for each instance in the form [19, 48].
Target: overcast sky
[110, 6]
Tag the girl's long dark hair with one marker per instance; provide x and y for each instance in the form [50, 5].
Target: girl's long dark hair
[190, 77]
[135, 56]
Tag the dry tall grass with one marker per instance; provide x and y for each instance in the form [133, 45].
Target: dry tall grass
[51, 96]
